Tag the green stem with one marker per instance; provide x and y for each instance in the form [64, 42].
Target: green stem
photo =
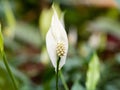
[57, 73]
[9, 71]
[63, 81]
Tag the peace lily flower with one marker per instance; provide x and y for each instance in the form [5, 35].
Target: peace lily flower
[57, 42]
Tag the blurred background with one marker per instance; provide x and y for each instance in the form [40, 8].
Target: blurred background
[91, 26]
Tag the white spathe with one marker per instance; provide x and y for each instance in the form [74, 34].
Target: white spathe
[55, 35]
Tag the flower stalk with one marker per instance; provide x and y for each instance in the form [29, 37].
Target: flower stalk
[63, 80]
[57, 73]
[5, 60]
[9, 71]
[61, 76]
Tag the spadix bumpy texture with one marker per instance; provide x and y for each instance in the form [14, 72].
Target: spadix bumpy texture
[57, 42]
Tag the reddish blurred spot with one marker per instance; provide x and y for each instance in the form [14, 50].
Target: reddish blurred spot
[113, 47]
[33, 70]
[102, 3]
[113, 43]
[29, 50]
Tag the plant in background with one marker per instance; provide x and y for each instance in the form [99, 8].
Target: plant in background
[5, 61]
[57, 45]
[10, 19]
[93, 73]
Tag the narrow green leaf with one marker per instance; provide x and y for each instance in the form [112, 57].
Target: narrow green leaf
[1, 41]
[93, 73]
[10, 18]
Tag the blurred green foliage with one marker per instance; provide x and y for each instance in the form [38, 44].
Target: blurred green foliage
[96, 28]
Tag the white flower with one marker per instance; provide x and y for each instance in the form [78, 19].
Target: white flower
[57, 41]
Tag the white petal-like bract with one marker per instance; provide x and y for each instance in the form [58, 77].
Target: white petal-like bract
[55, 35]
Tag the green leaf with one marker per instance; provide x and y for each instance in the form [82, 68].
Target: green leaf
[28, 34]
[107, 25]
[46, 15]
[93, 73]
[1, 40]
[22, 80]
[77, 86]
